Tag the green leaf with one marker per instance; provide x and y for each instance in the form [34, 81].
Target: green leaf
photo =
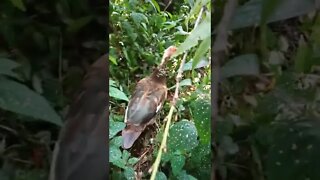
[201, 51]
[249, 14]
[77, 24]
[114, 154]
[183, 136]
[185, 82]
[116, 141]
[177, 163]
[133, 161]
[20, 99]
[201, 113]
[129, 174]
[115, 127]
[183, 176]
[116, 93]
[303, 58]
[6, 67]
[294, 153]
[161, 176]
[139, 18]
[201, 32]
[268, 8]
[18, 4]
[155, 5]
[247, 64]
[203, 62]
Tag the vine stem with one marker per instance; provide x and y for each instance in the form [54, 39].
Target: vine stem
[168, 118]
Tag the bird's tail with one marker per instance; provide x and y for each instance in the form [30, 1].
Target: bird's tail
[130, 135]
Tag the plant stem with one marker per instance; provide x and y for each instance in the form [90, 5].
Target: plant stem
[156, 164]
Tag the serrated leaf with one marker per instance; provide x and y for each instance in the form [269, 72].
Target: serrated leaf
[18, 98]
[183, 136]
[116, 93]
[247, 64]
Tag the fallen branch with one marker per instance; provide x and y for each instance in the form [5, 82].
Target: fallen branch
[168, 118]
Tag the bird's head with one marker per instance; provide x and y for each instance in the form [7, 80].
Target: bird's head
[168, 53]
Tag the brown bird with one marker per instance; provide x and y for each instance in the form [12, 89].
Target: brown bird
[81, 151]
[146, 101]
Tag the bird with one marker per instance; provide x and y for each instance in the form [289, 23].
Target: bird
[146, 101]
[81, 151]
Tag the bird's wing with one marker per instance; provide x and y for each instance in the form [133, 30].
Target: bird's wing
[146, 102]
[81, 150]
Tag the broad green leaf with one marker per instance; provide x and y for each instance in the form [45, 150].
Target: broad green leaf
[203, 62]
[185, 82]
[177, 163]
[182, 136]
[19, 4]
[6, 67]
[294, 153]
[201, 32]
[18, 98]
[116, 93]
[115, 127]
[201, 112]
[201, 51]
[249, 14]
[247, 64]
[268, 8]
[303, 58]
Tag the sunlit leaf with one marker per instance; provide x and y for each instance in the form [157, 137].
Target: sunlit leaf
[116, 93]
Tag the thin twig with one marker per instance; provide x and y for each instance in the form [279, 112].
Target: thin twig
[156, 164]
[219, 53]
